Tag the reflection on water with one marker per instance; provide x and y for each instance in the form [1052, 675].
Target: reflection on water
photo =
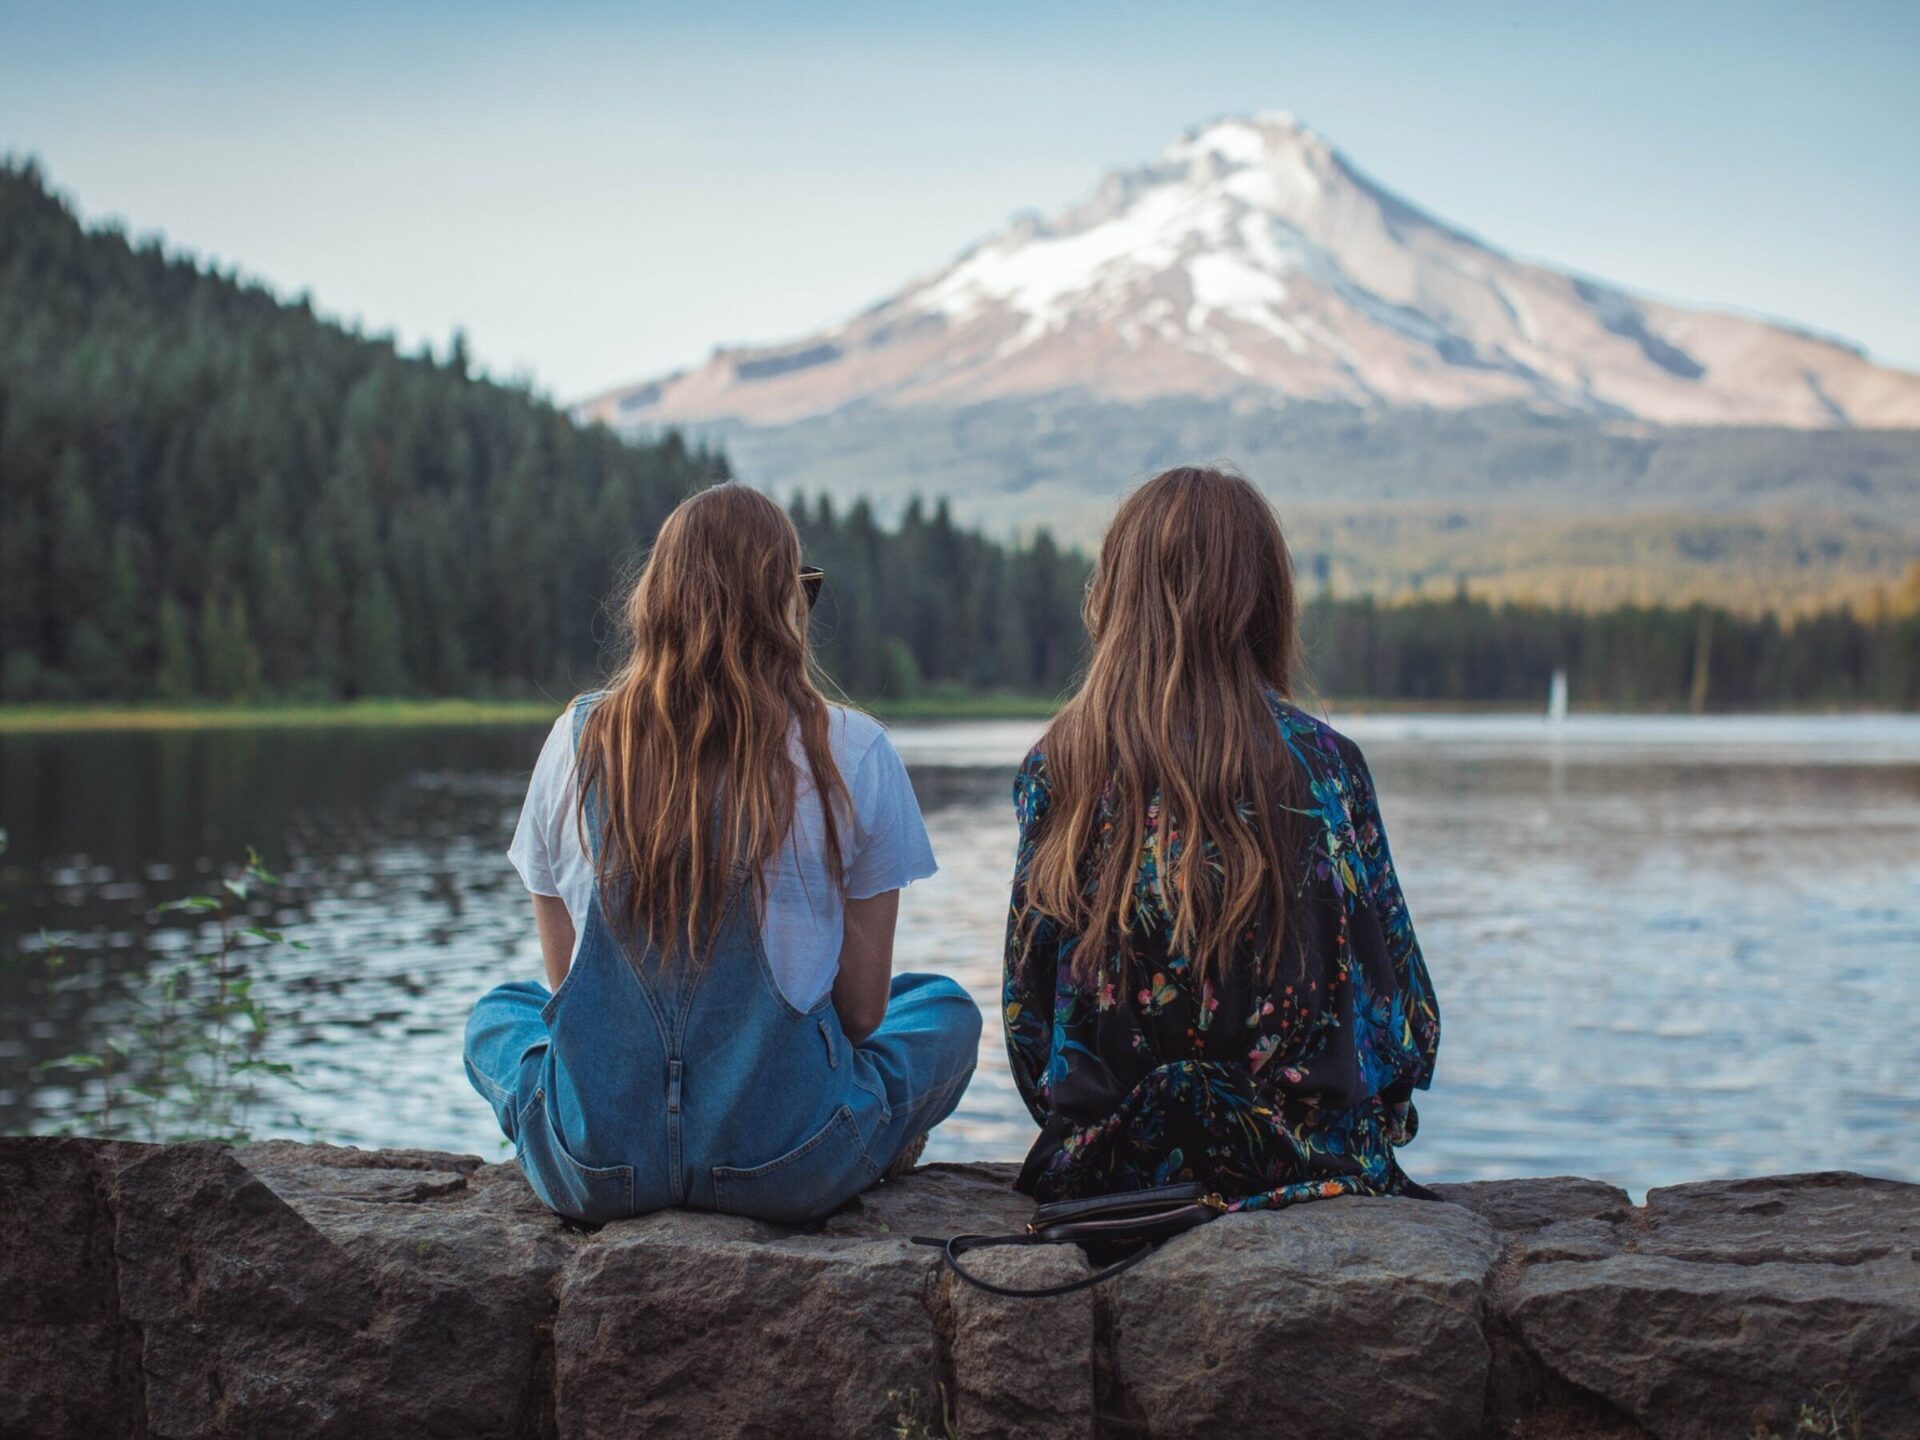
[1664, 948]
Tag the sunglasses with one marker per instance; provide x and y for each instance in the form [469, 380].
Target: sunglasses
[812, 577]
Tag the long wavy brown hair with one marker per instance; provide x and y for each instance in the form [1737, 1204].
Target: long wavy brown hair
[1192, 616]
[688, 750]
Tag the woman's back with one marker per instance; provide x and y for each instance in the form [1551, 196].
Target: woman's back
[715, 856]
[1282, 1085]
[659, 1075]
[884, 848]
[1210, 973]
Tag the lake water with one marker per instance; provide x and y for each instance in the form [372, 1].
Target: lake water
[1664, 948]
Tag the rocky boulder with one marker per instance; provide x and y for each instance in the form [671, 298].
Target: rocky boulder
[1306, 1321]
[1724, 1307]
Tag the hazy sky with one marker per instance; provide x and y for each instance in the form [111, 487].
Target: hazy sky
[600, 193]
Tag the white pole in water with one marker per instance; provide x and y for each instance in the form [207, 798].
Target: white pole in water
[1557, 697]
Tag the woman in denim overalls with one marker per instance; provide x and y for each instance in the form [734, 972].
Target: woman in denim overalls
[716, 856]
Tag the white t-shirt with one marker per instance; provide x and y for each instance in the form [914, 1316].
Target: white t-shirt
[803, 923]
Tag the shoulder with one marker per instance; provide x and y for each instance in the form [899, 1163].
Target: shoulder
[1033, 769]
[853, 727]
[560, 754]
[1032, 787]
[863, 752]
[1313, 742]
[550, 789]
[853, 735]
[566, 730]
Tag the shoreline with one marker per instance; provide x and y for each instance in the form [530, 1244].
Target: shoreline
[105, 717]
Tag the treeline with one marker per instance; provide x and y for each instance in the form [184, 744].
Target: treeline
[929, 608]
[1466, 650]
[209, 493]
[212, 494]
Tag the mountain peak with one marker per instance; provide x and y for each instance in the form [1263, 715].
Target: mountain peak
[1252, 259]
[1241, 140]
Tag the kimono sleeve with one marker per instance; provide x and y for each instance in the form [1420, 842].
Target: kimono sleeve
[1032, 954]
[1419, 1037]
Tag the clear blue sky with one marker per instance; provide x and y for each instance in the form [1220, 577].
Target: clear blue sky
[601, 192]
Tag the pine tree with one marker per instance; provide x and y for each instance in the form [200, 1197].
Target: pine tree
[376, 665]
[174, 677]
[124, 617]
[230, 663]
[93, 664]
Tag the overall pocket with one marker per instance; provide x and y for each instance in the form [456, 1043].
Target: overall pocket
[591, 1194]
[803, 1184]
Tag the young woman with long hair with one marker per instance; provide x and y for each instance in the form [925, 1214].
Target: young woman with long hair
[1210, 970]
[715, 855]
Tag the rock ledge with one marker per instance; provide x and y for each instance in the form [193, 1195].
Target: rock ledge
[288, 1289]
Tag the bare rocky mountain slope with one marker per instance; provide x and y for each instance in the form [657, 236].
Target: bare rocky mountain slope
[1253, 259]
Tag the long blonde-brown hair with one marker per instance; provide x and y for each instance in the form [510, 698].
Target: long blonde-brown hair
[1192, 616]
[687, 752]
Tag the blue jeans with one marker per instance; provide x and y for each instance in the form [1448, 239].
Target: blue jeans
[740, 1129]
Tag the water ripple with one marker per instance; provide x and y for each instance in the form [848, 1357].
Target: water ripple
[1664, 948]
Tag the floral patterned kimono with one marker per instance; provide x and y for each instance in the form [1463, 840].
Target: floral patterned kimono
[1271, 1091]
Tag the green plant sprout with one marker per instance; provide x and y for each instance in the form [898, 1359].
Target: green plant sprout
[1829, 1415]
[910, 1419]
[187, 1064]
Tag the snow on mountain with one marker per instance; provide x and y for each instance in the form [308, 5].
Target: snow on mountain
[1252, 259]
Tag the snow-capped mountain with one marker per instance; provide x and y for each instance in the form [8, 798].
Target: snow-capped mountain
[1254, 259]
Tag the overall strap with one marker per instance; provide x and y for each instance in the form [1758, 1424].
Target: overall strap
[660, 995]
[582, 708]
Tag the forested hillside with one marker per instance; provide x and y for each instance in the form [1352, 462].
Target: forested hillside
[210, 493]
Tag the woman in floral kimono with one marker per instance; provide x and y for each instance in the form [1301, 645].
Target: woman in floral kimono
[1211, 974]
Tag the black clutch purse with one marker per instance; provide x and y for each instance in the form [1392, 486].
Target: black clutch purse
[1133, 1221]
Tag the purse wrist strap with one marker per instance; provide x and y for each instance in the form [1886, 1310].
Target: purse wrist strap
[953, 1248]
[1066, 1231]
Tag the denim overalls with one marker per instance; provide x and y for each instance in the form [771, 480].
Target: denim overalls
[641, 1084]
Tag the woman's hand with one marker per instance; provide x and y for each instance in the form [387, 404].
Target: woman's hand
[861, 988]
